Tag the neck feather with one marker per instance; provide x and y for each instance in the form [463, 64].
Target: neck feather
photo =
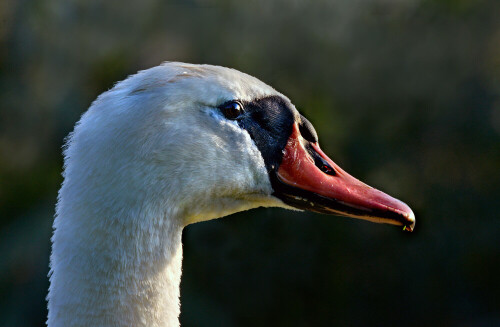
[114, 268]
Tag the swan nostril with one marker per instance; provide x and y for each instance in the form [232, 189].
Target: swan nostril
[319, 162]
[327, 170]
[324, 166]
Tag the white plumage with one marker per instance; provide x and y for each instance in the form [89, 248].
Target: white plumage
[150, 156]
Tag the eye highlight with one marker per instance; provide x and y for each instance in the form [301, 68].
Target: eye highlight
[231, 109]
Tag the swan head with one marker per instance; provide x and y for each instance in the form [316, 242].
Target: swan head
[210, 141]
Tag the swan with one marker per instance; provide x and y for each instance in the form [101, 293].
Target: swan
[167, 147]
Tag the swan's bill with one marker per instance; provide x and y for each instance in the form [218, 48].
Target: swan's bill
[308, 179]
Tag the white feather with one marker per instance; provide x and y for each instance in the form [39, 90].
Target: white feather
[150, 156]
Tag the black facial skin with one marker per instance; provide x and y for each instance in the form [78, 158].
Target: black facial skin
[269, 121]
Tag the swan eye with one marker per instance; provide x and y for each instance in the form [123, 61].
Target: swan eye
[231, 109]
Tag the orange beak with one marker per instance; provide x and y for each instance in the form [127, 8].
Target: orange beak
[308, 179]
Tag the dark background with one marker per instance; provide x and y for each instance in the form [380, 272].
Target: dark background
[404, 95]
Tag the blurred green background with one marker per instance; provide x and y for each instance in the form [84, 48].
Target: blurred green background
[404, 95]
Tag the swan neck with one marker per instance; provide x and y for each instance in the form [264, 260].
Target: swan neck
[114, 270]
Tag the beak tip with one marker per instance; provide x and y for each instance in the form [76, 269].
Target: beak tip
[410, 216]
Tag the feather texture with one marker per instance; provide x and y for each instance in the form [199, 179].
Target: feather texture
[149, 156]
